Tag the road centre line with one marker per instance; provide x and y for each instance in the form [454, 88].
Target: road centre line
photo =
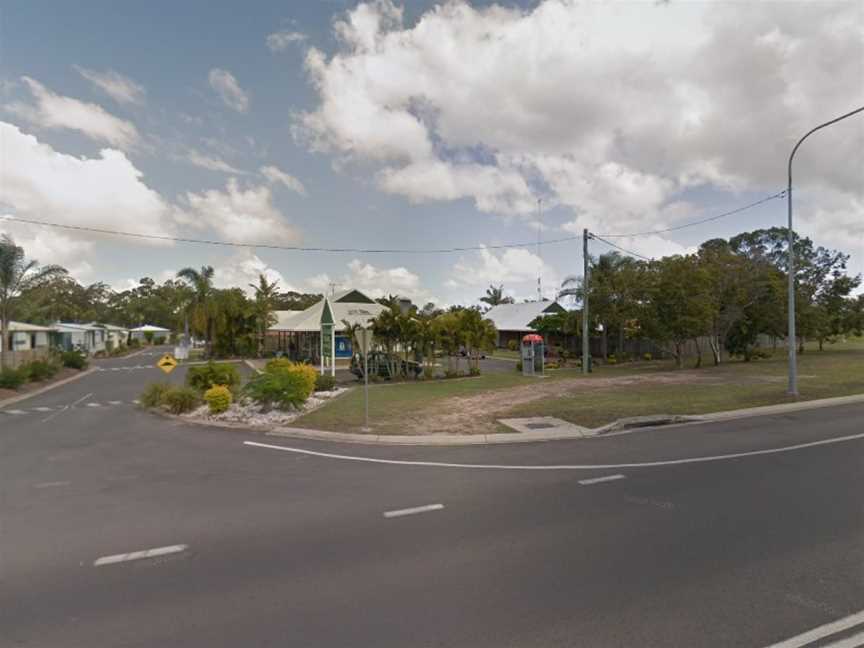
[138, 555]
[824, 631]
[597, 480]
[413, 511]
[645, 464]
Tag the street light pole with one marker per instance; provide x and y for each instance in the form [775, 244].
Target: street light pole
[791, 340]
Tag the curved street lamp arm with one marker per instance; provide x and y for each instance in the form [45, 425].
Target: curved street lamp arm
[813, 130]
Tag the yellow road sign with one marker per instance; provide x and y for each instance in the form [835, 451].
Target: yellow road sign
[167, 363]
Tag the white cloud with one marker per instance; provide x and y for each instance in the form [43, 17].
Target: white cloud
[210, 162]
[374, 281]
[275, 174]
[106, 192]
[225, 85]
[609, 109]
[49, 246]
[281, 40]
[243, 269]
[516, 268]
[120, 88]
[242, 215]
[58, 112]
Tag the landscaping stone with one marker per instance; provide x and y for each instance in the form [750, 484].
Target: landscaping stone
[248, 412]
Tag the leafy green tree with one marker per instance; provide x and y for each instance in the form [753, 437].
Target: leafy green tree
[201, 282]
[17, 275]
[265, 299]
[478, 335]
[679, 305]
[450, 335]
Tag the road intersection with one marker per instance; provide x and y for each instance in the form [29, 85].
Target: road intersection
[126, 529]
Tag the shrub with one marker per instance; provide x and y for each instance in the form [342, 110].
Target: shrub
[519, 366]
[41, 370]
[513, 345]
[159, 340]
[551, 365]
[612, 359]
[179, 400]
[218, 398]
[474, 371]
[283, 384]
[12, 378]
[154, 394]
[449, 373]
[761, 354]
[323, 382]
[74, 360]
[647, 357]
[134, 343]
[148, 336]
[204, 377]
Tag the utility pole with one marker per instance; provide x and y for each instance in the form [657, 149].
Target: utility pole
[586, 347]
[791, 338]
[540, 259]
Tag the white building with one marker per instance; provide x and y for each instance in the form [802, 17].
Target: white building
[140, 333]
[25, 343]
[115, 336]
[87, 338]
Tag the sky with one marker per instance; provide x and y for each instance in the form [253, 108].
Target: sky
[420, 125]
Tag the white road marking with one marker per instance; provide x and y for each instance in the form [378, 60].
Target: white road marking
[94, 404]
[597, 480]
[60, 411]
[51, 484]
[136, 402]
[855, 641]
[138, 555]
[14, 412]
[645, 464]
[43, 409]
[82, 399]
[115, 402]
[824, 631]
[414, 510]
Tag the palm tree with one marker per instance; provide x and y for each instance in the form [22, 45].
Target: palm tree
[265, 298]
[495, 296]
[201, 283]
[17, 275]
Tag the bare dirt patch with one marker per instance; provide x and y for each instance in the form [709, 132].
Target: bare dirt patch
[476, 414]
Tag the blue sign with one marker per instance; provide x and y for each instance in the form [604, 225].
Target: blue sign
[343, 347]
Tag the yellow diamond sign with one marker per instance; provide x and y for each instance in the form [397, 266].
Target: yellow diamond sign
[167, 363]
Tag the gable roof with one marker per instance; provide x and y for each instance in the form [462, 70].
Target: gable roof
[148, 328]
[517, 317]
[349, 305]
[16, 327]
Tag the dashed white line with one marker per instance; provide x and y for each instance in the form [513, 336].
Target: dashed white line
[115, 402]
[43, 409]
[413, 511]
[644, 464]
[51, 484]
[14, 412]
[94, 404]
[138, 555]
[597, 480]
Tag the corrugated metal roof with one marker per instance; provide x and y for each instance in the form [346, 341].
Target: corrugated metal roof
[517, 317]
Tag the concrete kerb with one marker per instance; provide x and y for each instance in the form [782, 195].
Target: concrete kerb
[48, 387]
[622, 426]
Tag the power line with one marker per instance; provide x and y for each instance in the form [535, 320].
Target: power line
[618, 247]
[779, 194]
[290, 248]
[349, 250]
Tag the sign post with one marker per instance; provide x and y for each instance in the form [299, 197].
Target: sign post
[364, 337]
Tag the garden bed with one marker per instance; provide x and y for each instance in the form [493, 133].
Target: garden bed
[248, 412]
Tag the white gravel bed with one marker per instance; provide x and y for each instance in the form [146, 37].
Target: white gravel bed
[250, 413]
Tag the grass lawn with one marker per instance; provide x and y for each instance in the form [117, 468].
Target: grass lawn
[473, 405]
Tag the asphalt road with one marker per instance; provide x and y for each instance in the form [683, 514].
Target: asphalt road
[290, 549]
